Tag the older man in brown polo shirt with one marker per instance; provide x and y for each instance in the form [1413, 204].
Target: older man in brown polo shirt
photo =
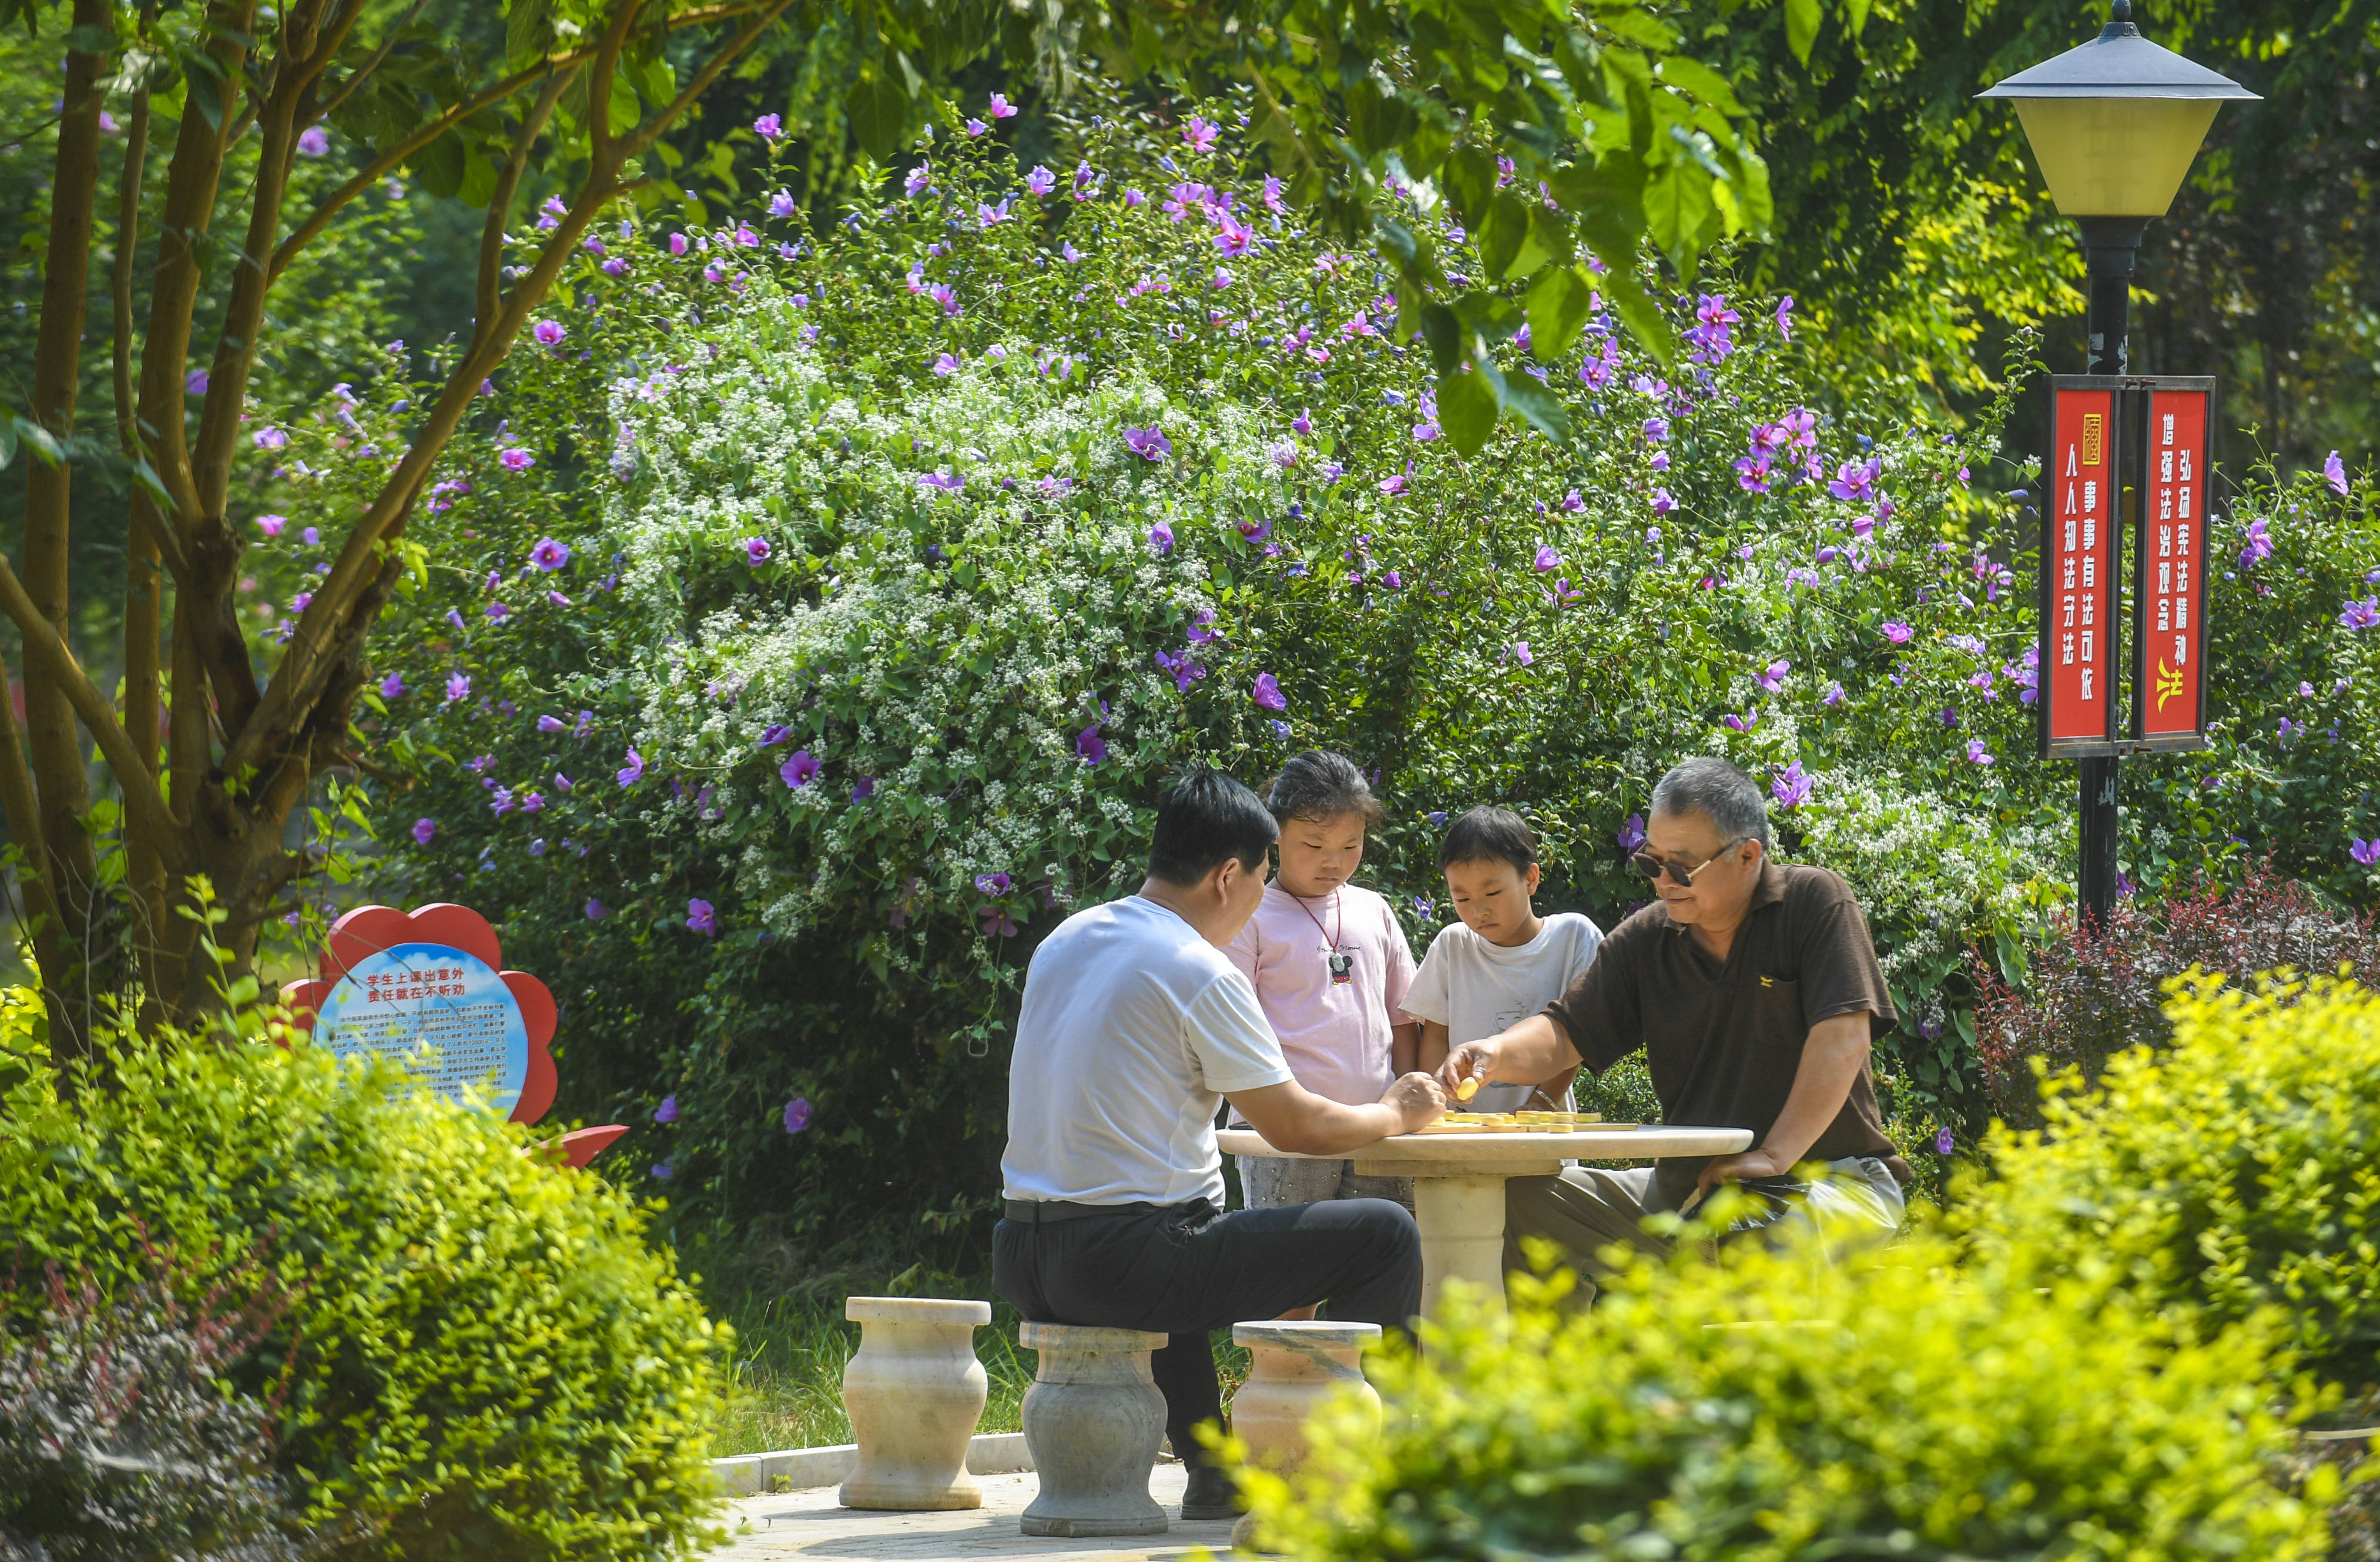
[1753, 991]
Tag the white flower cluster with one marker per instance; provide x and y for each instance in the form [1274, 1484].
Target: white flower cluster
[974, 566]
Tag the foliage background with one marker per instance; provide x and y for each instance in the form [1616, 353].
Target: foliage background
[980, 655]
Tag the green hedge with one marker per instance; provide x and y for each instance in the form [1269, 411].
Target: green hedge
[2238, 1170]
[1776, 1409]
[481, 1357]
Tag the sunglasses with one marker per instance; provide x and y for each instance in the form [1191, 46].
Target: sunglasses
[1653, 867]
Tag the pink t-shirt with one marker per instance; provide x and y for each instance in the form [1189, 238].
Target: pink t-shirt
[1335, 1035]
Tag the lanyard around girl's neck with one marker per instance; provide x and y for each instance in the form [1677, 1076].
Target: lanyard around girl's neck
[1342, 964]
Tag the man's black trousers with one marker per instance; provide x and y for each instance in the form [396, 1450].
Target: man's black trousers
[1188, 1268]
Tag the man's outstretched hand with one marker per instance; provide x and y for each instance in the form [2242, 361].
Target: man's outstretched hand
[1417, 1100]
[1467, 1068]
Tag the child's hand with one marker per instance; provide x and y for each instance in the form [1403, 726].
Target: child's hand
[1417, 1100]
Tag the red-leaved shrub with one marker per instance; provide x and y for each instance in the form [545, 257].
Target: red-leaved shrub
[2093, 991]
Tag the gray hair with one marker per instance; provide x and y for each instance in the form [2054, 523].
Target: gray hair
[1720, 792]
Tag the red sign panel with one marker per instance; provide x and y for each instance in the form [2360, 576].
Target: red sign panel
[2169, 625]
[2079, 679]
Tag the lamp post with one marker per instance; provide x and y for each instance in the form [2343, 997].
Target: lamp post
[2115, 124]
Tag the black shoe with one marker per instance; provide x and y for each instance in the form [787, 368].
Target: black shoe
[1211, 1493]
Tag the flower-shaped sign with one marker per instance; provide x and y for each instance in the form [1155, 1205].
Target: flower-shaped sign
[427, 989]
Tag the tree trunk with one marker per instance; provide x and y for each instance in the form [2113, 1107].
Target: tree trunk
[62, 852]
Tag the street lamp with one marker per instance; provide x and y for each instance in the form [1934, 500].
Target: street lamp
[2114, 125]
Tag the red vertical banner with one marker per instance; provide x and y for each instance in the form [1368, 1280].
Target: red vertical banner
[2170, 618]
[2079, 679]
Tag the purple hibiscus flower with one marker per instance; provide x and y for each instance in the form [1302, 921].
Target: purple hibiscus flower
[1790, 787]
[1267, 693]
[1149, 444]
[423, 830]
[633, 771]
[1897, 633]
[798, 1114]
[1632, 834]
[799, 771]
[1182, 667]
[756, 550]
[667, 1110]
[703, 916]
[1090, 745]
[549, 555]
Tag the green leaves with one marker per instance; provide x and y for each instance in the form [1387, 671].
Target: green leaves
[1801, 27]
[878, 108]
[1559, 301]
[1468, 403]
[464, 1321]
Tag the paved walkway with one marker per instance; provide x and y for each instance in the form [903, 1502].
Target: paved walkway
[809, 1524]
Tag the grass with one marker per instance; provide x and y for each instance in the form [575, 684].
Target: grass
[791, 1346]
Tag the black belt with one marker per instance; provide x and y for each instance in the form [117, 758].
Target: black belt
[1043, 1212]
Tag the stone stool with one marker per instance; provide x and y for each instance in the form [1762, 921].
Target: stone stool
[1292, 1367]
[1093, 1421]
[914, 1392]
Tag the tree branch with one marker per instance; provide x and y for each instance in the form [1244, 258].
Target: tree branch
[307, 661]
[190, 187]
[24, 816]
[500, 202]
[599, 90]
[647, 133]
[244, 315]
[363, 72]
[45, 647]
[338, 200]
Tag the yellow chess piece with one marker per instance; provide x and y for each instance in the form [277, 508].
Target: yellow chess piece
[1467, 1089]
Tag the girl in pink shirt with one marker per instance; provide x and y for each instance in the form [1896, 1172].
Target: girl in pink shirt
[1330, 966]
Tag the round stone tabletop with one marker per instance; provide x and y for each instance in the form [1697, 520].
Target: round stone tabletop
[1475, 1154]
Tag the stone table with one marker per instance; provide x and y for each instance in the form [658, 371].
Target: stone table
[1458, 1182]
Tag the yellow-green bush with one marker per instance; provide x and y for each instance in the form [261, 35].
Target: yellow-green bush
[2237, 1170]
[1769, 1408]
[481, 1358]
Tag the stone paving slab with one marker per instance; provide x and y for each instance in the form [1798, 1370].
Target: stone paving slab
[810, 1524]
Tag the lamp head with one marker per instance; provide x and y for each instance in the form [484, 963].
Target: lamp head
[2115, 122]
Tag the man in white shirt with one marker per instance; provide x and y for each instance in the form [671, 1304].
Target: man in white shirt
[1136, 1028]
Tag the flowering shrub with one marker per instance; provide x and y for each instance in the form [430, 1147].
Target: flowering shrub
[2091, 993]
[116, 1440]
[818, 613]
